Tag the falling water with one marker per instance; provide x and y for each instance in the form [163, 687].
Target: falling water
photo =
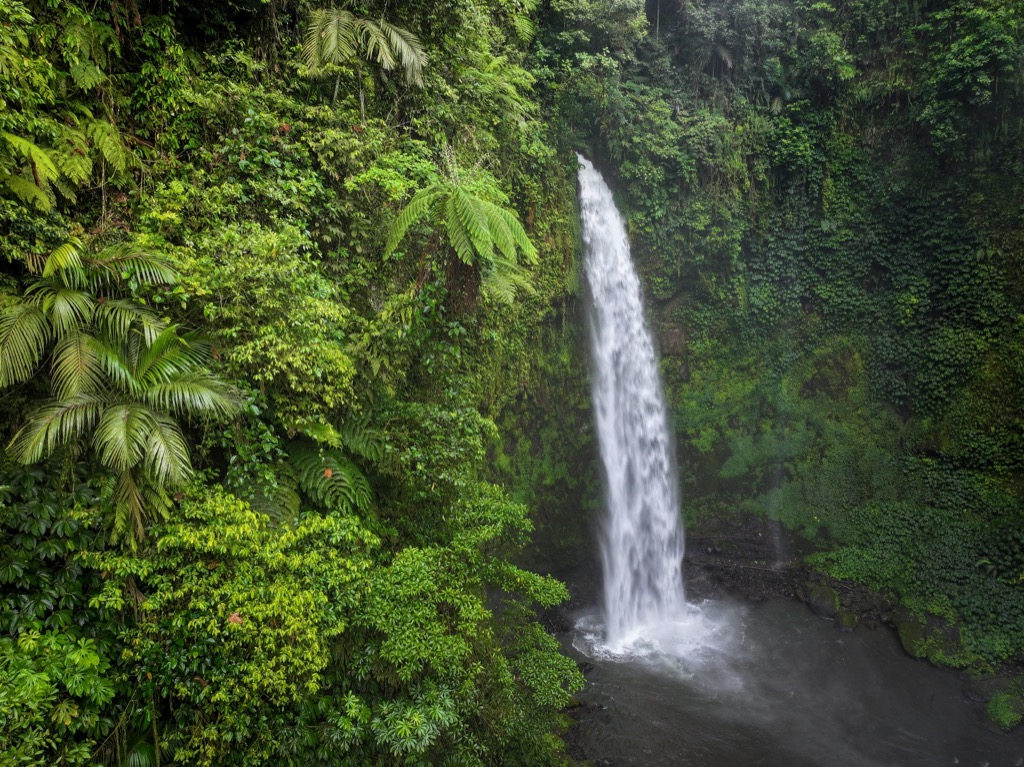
[642, 538]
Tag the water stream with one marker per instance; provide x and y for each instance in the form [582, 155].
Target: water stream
[717, 683]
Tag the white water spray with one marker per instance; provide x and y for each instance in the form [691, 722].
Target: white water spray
[642, 539]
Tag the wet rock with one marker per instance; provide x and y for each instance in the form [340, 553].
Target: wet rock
[981, 689]
[930, 637]
[822, 599]
[848, 621]
[911, 631]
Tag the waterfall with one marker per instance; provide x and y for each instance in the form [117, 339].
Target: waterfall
[642, 536]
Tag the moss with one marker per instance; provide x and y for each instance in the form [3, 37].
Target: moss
[1006, 709]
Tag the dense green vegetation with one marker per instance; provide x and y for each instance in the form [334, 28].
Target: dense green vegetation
[251, 504]
[825, 200]
[289, 360]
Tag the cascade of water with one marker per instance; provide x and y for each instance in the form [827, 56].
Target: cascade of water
[642, 538]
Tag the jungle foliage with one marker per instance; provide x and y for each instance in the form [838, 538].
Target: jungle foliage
[289, 340]
[824, 198]
[251, 499]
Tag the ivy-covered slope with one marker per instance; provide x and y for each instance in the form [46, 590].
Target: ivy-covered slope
[824, 198]
[249, 487]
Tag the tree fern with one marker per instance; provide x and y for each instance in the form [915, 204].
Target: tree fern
[72, 156]
[277, 496]
[359, 437]
[418, 206]
[504, 279]
[474, 227]
[43, 168]
[355, 435]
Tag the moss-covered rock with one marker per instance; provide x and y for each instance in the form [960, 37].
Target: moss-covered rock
[822, 599]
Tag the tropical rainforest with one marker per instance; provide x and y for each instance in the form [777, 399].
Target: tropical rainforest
[290, 347]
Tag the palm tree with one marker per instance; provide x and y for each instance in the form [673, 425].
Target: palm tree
[484, 236]
[118, 374]
[336, 36]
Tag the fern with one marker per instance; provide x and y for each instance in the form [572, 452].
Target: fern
[330, 479]
[44, 173]
[277, 496]
[413, 212]
[475, 228]
[28, 192]
[362, 439]
[107, 139]
[525, 27]
[43, 167]
[73, 158]
[503, 279]
[86, 75]
[355, 435]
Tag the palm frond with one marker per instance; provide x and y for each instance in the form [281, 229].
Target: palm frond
[115, 318]
[122, 435]
[63, 257]
[164, 358]
[374, 41]
[67, 308]
[166, 460]
[127, 258]
[129, 509]
[113, 359]
[407, 49]
[53, 425]
[24, 335]
[192, 393]
[329, 38]
[76, 367]
[389, 45]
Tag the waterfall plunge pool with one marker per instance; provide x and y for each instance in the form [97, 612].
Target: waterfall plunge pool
[773, 685]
